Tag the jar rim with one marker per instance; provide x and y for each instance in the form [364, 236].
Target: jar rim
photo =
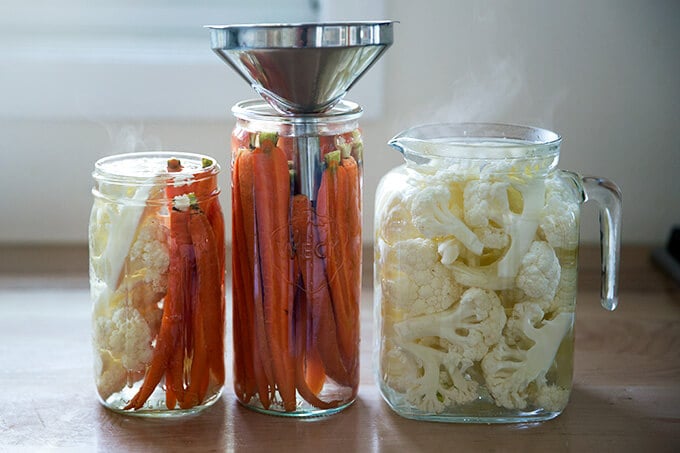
[261, 110]
[148, 167]
[467, 140]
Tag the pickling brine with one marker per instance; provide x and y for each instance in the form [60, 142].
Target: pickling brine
[157, 264]
[296, 212]
[476, 241]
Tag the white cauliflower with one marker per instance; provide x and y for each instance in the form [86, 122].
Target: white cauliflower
[441, 379]
[149, 259]
[492, 237]
[414, 280]
[123, 341]
[515, 368]
[560, 216]
[543, 281]
[126, 336]
[449, 250]
[485, 201]
[552, 398]
[522, 227]
[469, 328]
[433, 216]
[113, 226]
[565, 296]
[519, 228]
[128, 282]
[399, 369]
[394, 223]
[539, 272]
[110, 376]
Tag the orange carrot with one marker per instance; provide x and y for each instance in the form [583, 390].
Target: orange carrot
[306, 259]
[245, 235]
[353, 252]
[245, 383]
[174, 376]
[337, 230]
[208, 351]
[272, 198]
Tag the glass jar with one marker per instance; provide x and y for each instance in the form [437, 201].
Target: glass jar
[476, 243]
[296, 258]
[157, 266]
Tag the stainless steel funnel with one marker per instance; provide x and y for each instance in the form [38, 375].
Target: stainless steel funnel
[302, 68]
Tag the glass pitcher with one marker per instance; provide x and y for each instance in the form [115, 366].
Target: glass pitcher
[476, 247]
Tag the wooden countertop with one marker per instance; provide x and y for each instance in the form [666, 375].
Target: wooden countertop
[626, 394]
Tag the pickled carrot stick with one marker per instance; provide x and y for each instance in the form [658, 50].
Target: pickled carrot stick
[249, 269]
[306, 391]
[272, 201]
[245, 383]
[305, 348]
[352, 270]
[208, 350]
[174, 376]
[334, 229]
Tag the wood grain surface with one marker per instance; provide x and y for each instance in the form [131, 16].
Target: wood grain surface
[626, 394]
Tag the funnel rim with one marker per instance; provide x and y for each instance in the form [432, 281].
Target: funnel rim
[238, 36]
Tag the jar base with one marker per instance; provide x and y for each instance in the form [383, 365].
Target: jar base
[154, 407]
[527, 417]
[303, 410]
[481, 411]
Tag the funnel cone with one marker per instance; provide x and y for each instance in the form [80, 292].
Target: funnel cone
[301, 68]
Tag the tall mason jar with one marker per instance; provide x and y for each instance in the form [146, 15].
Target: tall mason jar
[157, 266]
[296, 201]
[476, 243]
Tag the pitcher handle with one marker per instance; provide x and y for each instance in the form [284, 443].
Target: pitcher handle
[607, 195]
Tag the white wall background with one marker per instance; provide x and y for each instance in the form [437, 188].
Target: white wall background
[605, 74]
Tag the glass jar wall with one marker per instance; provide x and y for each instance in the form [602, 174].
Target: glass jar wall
[296, 258]
[476, 241]
[157, 266]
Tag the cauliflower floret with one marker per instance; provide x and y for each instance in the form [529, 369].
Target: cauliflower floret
[149, 257]
[395, 223]
[520, 229]
[110, 375]
[485, 277]
[114, 226]
[551, 398]
[565, 296]
[126, 336]
[539, 272]
[400, 370]
[414, 280]
[122, 338]
[434, 218]
[484, 201]
[449, 250]
[492, 237]
[560, 215]
[441, 378]
[469, 328]
[525, 354]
